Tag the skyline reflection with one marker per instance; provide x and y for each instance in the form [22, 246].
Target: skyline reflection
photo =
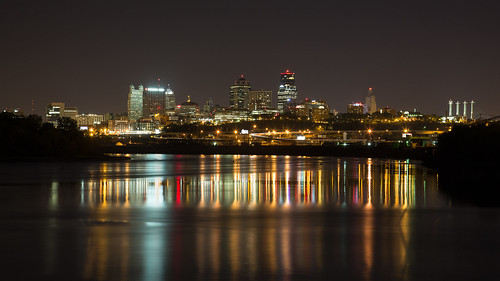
[258, 181]
[222, 217]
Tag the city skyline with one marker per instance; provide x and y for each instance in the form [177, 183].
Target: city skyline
[415, 54]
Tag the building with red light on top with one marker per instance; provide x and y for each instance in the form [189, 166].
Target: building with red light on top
[371, 104]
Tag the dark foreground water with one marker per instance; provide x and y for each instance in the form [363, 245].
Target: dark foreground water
[167, 217]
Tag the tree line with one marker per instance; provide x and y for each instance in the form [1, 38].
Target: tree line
[30, 137]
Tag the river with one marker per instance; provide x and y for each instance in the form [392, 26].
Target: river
[225, 217]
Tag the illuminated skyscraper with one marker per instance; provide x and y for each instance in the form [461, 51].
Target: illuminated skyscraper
[371, 105]
[135, 102]
[154, 101]
[169, 98]
[287, 92]
[238, 94]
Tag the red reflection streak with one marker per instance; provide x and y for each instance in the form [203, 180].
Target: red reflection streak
[178, 192]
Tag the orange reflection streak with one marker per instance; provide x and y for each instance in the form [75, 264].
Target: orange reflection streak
[368, 244]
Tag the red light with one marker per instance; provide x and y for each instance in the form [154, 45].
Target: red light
[287, 72]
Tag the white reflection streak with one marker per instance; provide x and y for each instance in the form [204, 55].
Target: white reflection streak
[202, 196]
[82, 193]
[54, 197]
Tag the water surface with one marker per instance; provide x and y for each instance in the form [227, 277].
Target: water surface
[220, 217]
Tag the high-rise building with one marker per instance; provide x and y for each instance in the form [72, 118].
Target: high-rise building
[371, 105]
[154, 101]
[259, 100]
[135, 102]
[169, 98]
[287, 92]
[238, 94]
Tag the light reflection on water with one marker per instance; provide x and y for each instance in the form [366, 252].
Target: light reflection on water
[261, 181]
[161, 217]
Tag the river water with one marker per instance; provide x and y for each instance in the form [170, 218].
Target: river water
[224, 217]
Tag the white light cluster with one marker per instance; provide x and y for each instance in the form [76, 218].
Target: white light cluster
[155, 89]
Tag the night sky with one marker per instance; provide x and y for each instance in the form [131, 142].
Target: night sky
[415, 54]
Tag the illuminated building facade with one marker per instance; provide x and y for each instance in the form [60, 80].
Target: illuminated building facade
[287, 92]
[313, 110]
[154, 101]
[188, 111]
[135, 102]
[371, 104]
[238, 94]
[169, 98]
[259, 100]
[356, 108]
[89, 119]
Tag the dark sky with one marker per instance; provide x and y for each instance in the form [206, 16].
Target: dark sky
[416, 54]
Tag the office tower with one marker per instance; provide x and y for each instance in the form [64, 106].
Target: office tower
[287, 92]
[135, 102]
[371, 105]
[238, 94]
[154, 101]
[259, 100]
[169, 98]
